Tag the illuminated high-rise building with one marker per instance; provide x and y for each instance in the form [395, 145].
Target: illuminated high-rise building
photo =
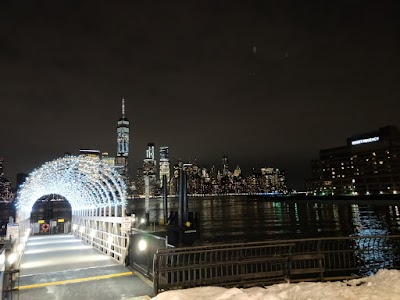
[150, 151]
[149, 170]
[273, 180]
[121, 161]
[164, 164]
[237, 172]
[225, 166]
[6, 194]
[368, 164]
[149, 163]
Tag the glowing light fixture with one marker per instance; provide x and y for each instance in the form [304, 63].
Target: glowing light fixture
[142, 245]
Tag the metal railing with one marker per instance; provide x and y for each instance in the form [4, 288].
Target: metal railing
[263, 263]
[142, 248]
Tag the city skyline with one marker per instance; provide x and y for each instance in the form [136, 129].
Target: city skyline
[263, 83]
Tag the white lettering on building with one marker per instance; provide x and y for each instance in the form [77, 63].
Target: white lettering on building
[365, 141]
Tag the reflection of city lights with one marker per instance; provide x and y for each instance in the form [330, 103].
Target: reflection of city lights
[87, 183]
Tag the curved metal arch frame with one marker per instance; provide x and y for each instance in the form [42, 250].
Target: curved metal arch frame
[87, 183]
[97, 194]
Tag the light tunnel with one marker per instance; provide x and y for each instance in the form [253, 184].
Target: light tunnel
[86, 183]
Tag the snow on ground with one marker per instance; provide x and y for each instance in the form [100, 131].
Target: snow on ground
[385, 285]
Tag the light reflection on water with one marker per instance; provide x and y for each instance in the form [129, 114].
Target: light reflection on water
[244, 219]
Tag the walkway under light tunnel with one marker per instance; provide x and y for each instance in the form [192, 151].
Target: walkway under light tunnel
[96, 193]
[63, 267]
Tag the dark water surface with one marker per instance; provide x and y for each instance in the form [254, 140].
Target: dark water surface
[230, 219]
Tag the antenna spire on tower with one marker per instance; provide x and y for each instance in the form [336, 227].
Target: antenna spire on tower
[123, 107]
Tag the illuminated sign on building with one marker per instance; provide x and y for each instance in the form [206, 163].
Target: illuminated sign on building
[365, 141]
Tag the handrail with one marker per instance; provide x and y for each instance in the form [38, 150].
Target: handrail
[258, 263]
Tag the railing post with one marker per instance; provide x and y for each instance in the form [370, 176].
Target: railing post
[321, 274]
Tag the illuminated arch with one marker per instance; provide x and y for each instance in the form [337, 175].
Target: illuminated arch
[87, 183]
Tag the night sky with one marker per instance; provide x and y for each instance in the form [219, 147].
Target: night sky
[267, 83]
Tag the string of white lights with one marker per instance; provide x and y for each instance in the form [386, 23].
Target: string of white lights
[86, 183]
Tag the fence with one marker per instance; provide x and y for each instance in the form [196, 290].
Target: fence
[264, 263]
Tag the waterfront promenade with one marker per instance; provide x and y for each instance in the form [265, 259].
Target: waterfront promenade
[62, 267]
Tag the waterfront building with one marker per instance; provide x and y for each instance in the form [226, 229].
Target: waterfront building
[90, 153]
[368, 164]
[108, 159]
[164, 164]
[272, 180]
[6, 193]
[122, 159]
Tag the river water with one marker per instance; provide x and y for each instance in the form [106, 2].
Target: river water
[231, 219]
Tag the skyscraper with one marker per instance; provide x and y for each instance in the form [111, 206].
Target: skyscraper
[164, 164]
[225, 166]
[150, 151]
[149, 171]
[121, 161]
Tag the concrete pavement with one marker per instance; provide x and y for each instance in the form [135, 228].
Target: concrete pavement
[62, 267]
